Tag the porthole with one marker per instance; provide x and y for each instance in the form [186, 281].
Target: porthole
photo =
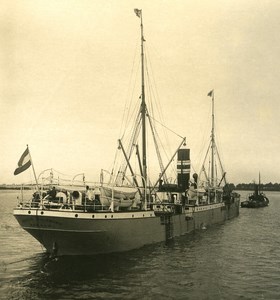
[76, 215]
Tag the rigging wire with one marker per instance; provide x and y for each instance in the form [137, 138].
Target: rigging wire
[131, 144]
[155, 95]
[204, 141]
[154, 133]
[129, 97]
[154, 92]
[154, 82]
[130, 115]
[167, 128]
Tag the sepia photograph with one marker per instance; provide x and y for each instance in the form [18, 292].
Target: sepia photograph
[139, 145]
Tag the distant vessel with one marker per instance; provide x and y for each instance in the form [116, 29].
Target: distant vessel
[126, 214]
[256, 199]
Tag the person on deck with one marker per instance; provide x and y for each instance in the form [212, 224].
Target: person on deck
[52, 193]
[89, 194]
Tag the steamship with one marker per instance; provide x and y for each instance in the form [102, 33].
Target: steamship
[129, 210]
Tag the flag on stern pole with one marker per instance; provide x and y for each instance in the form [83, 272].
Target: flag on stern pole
[24, 162]
[137, 12]
[211, 93]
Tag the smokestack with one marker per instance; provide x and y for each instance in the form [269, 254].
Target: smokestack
[183, 169]
[195, 177]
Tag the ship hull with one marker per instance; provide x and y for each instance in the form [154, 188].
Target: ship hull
[82, 233]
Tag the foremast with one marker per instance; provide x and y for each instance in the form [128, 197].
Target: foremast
[141, 121]
[138, 13]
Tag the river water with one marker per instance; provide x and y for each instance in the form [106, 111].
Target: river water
[239, 259]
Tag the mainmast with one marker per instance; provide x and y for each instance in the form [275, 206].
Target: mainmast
[211, 94]
[138, 13]
[214, 151]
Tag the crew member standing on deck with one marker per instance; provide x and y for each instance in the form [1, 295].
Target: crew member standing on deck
[52, 193]
[89, 194]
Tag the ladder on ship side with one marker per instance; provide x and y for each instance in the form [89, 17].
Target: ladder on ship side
[167, 221]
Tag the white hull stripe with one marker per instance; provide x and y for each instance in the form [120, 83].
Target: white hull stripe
[82, 215]
[62, 230]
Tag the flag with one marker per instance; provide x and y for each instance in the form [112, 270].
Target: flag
[24, 163]
[210, 94]
[138, 12]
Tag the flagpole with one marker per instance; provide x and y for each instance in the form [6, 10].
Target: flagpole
[33, 170]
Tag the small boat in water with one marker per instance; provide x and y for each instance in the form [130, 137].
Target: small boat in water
[123, 214]
[256, 199]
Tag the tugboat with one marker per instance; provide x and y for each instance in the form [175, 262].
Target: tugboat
[256, 199]
[131, 209]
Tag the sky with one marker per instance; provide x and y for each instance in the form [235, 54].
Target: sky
[66, 70]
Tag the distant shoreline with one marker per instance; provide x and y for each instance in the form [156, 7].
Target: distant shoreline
[237, 188]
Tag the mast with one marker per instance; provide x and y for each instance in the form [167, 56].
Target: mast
[211, 94]
[213, 142]
[138, 13]
[214, 151]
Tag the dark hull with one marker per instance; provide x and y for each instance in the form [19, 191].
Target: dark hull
[251, 204]
[255, 201]
[82, 233]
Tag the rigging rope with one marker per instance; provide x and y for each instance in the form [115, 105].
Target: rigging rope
[167, 128]
[126, 116]
[157, 150]
[154, 95]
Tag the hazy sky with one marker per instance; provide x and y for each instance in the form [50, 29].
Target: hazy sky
[66, 67]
